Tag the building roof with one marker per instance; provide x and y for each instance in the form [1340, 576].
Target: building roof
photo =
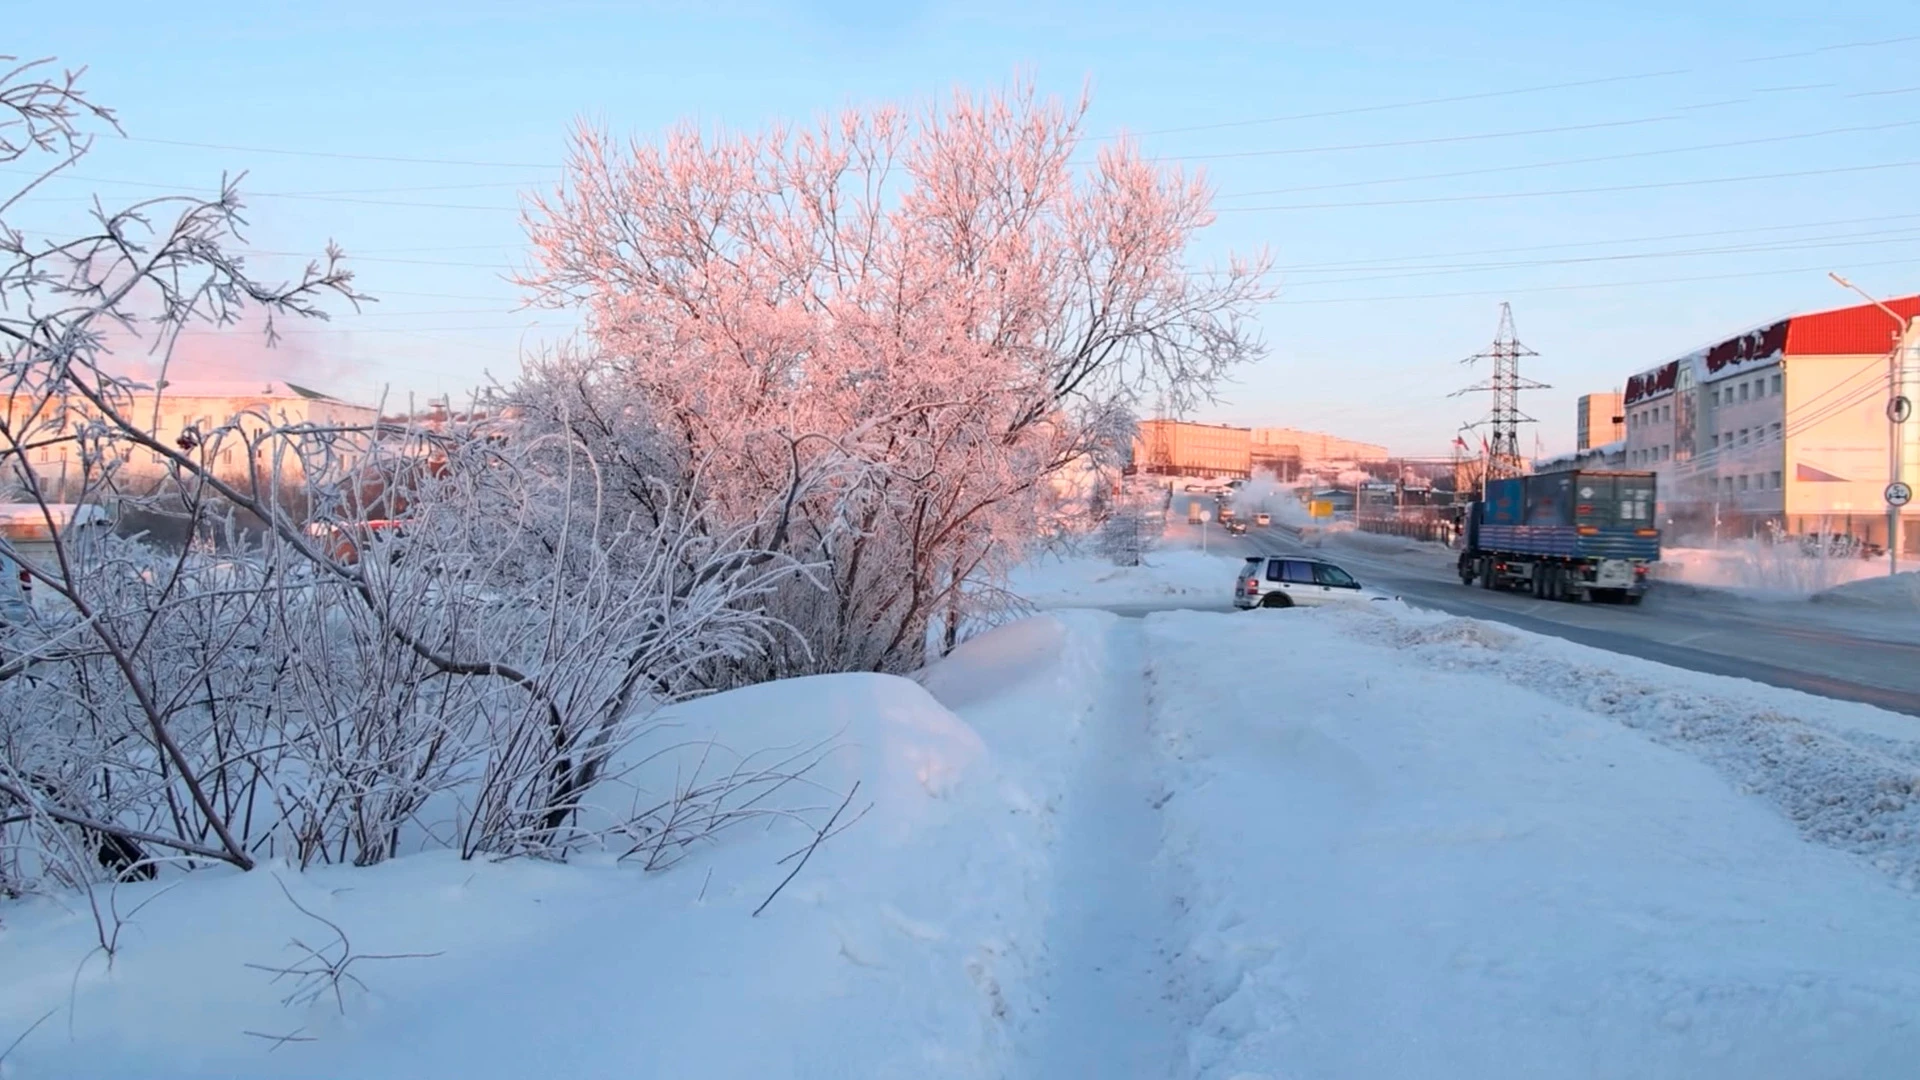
[237, 388]
[1862, 329]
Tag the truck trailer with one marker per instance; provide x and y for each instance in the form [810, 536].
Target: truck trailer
[1575, 535]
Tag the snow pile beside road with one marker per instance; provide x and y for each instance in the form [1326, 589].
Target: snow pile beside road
[1887, 592]
[1807, 755]
[1781, 570]
[903, 946]
[1465, 867]
[1172, 573]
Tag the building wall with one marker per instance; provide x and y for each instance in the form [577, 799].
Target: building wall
[1177, 447]
[1835, 451]
[1314, 446]
[1593, 423]
[1781, 427]
[189, 406]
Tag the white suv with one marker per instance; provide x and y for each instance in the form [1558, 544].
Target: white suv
[1293, 581]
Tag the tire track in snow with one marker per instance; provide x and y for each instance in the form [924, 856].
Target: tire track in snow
[1106, 1008]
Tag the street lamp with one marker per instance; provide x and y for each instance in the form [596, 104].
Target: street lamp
[1903, 386]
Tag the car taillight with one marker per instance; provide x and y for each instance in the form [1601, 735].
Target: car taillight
[1253, 584]
[1640, 571]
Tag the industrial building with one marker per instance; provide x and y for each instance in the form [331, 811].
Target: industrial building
[1284, 451]
[1782, 430]
[1599, 421]
[1181, 448]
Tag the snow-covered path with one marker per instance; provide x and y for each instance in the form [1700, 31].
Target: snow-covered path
[1104, 997]
[1395, 867]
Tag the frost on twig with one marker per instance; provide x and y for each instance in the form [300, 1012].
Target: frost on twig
[325, 970]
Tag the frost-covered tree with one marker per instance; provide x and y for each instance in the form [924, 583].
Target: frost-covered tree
[288, 680]
[898, 324]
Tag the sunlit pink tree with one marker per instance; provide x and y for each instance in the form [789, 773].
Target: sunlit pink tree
[905, 320]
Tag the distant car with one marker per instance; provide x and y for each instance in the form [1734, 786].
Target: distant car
[1226, 512]
[1293, 581]
[1236, 528]
[1263, 519]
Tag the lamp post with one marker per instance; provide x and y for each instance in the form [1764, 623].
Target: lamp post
[1903, 386]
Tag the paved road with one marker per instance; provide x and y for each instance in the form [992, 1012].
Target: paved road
[1853, 656]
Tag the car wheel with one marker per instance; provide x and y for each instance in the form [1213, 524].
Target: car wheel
[1276, 600]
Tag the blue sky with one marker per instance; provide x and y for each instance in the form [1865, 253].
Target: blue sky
[1394, 257]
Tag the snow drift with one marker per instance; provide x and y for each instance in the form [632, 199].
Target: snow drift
[901, 947]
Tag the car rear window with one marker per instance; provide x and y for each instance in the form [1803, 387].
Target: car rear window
[1299, 573]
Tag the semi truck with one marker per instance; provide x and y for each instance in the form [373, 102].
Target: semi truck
[1579, 534]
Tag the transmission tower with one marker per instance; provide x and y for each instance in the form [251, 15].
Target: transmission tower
[1503, 446]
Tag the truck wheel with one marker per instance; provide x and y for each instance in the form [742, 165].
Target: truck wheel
[1486, 573]
[1537, 581]
[1557, 584]
[1276, 600]
[1634, 598]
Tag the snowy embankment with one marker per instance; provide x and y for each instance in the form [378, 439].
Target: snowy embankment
[1168, 573]
[1898, 593]
[1425, 846]
[1769, 571]
[904, 945]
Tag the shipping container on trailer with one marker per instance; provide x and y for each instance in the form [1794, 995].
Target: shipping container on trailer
[1578, 534]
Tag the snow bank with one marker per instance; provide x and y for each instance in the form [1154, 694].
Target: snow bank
[1887, 592]
[1424, 846]
[1171, 573]
[1778, 570]
[903, 946]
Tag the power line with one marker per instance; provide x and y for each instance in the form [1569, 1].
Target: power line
[1389, 260]
[1351, 111]
[1435, 140]
[1497, 196]
[1517, 91]
[389, 158]
[1805, 244]
[1628, 156]
[1578, 288]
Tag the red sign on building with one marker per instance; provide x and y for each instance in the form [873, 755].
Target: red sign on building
[1659, 381]
[1762, 344]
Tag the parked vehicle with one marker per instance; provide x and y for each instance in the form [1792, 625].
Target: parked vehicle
[1263, 519]
[1236, 528]
[1279, 581]
[1572, 535]
[1226, 513]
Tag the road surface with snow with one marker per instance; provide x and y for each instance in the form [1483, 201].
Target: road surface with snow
[1847, 653]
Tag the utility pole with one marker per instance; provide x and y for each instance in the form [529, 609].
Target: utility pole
[1903, 437]
[1505, 383]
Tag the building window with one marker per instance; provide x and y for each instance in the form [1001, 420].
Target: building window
[1743, 391]
[1716, 396]
[1743, 436]
[1776, 479]
[1716, 442]
[1743, 482]
[1776, 383]
[1776, 429]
